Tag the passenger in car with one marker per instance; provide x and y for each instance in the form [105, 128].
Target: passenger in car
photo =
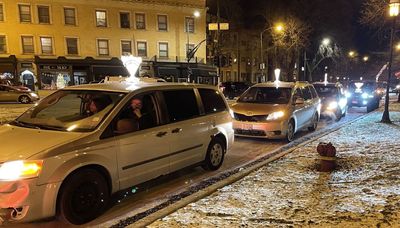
[98, 104]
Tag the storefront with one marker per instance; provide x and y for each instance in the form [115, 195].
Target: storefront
[61, 72]
[8, 68]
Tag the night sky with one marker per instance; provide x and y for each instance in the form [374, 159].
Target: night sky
[338, 19]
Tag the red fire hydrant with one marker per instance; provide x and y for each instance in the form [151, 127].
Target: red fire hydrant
[327, 154]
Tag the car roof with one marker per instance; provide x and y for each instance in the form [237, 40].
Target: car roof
[281, 84]
[126, 87]
[328, 84]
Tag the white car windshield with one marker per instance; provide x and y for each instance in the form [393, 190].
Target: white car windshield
[70, 110]
[266, 95]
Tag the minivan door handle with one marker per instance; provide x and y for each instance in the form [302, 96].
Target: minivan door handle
[161, 134]
[176, 130]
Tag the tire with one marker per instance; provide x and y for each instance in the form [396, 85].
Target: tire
[339, 114]
[24, 99]
[84, 195]
[215, 155]
[314, 123]
[290, 131]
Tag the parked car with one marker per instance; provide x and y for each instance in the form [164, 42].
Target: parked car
[333, 99]
[9, 83]
[13, 94]
[232, 90]
[83, 143]
[276, 110]
[364, 94]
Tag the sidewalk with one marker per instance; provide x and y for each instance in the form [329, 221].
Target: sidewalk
[364, 191]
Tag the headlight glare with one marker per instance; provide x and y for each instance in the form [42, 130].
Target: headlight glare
[332, 105]
[275, 115]
[33, 94]
[16, 170]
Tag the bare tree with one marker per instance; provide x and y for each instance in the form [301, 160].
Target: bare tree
[330, 51]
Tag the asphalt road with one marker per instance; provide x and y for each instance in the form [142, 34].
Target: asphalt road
[148, 195]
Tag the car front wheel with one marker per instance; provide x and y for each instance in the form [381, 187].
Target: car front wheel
[215, 155]
[290, 131]
[84, 196]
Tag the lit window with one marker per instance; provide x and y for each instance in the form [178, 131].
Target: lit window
[47, 45]
[142, 49]
[189, 24]
[3, 46]
[24, 13]
[27, 45]
[103, 47]
[189, 48]
[101, 18]
[69, 16]
[126, 47]
[140, 21]
[162, 22]
[1, 12]
[125, 21]
[163, 49]
[72, 46]
[44, 14]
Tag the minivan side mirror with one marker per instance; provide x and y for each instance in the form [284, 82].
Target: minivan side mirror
[299, 101]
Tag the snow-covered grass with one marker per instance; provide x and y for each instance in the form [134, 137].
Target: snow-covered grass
[364, 190]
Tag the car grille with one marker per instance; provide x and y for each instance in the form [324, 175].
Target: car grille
[258, 118]
[250, 132]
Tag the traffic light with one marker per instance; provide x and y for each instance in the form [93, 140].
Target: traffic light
[223, 61]
[230, 61]
[216, 61]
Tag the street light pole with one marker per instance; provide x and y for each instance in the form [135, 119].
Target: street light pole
[278, 28]
[393, 12]
[195, 15]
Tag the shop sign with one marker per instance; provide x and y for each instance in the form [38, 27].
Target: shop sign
[55, 67]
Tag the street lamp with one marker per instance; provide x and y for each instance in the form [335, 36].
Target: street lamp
[352, 54]
[196, 14]
[365, 58]
[326, 41]
[279, 28]
[393, 12]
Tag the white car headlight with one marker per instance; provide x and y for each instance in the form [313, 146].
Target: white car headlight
[33, 94]
[332, 105]
[275, 115]
[348, 94]
[17, 170]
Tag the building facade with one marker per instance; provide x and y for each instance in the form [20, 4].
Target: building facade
[52, 43]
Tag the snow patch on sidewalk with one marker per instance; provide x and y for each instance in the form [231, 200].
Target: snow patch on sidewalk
[364, 191]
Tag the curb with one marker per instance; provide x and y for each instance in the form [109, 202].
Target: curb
[212, 184]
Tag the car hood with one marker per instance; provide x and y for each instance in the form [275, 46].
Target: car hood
[22, 143]
[251, 109]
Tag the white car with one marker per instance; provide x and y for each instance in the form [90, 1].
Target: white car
[79, 145]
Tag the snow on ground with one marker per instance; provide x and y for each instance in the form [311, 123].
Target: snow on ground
[364, 191]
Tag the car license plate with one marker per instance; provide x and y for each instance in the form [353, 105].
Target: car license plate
[247, 127]
[354, 102]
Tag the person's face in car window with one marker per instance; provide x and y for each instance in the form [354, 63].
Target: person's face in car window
[136, 104]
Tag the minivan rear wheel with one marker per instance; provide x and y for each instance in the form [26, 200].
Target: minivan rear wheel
[314, 123]
[84, 196]
[215, 155]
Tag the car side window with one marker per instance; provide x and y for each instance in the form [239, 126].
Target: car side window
[313, 92]
[181, 104]
[297, 94]
[212, 101]
[139, 113]
[306, 93]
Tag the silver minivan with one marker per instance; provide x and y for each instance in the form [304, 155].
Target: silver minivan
[83, 143]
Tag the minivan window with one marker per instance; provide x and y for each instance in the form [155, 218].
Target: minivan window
[181, 104]
[266, 95]
[306, 93]
[70, 110]
[212, 101]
